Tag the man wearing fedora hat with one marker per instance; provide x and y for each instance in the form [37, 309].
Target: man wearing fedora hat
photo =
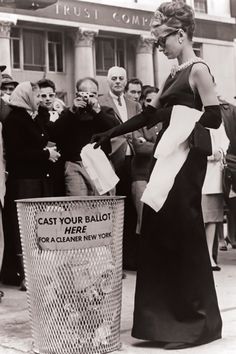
[7, 86]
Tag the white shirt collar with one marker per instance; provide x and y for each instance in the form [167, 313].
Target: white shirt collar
[115, 96]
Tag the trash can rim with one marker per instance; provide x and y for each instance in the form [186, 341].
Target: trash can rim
[69, 199]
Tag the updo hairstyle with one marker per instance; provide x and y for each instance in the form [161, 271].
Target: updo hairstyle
[176, 15]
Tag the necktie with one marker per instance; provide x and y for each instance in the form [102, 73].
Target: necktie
[119, 101]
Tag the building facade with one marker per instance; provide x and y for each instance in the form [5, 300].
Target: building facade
[74, 38]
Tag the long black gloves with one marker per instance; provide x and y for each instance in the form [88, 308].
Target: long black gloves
[211, 118]
[149, 117]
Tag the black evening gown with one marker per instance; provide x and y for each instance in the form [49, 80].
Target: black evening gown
[175, 299]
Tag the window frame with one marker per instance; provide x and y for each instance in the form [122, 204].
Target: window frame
[115, 39]
[43, 44]
[197, 47]
[46, 53]
[205, 4]
[20, 49]
[55, 56]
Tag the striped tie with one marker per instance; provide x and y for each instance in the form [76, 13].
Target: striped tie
[119, 101]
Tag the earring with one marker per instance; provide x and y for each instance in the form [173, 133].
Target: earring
[180, 41]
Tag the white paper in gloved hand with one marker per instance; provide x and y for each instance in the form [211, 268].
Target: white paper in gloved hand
[99, 168]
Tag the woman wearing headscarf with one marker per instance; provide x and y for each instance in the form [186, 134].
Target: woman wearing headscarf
[175, 300]
[28, 162]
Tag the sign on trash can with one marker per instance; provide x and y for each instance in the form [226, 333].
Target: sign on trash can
[72, 251]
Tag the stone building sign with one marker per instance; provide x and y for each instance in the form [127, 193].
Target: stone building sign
[86, 12]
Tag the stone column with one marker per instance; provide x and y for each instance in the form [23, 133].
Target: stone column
[144, 60]
[84, 55]
[234, 44]
[5, 56]
[234, 73]
[156, 68]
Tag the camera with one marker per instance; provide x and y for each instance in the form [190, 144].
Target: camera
[84, 95]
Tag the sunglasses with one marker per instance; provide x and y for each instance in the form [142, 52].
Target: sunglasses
[47, 95]
[162, 40]
[11, 89]
[148, 100]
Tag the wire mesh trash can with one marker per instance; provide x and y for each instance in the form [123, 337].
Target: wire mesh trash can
[72, 251]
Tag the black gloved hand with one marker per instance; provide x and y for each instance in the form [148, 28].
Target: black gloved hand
[101, 138]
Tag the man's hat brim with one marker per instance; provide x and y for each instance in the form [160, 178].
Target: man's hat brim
[2, 67]
[9, 82]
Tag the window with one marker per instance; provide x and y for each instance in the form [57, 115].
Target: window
[120, 51]
[32, 49]
[109, 52]
[15, 48]
[200, 6]
[197, 47]
[55, 56]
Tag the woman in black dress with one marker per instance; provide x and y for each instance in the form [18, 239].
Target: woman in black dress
[175, 300]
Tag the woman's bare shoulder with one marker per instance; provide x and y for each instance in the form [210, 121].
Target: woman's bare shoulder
[201, 69]
[201, 75]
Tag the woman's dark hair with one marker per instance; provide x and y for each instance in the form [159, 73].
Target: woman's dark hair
[148, 89]
[174, 14]
[145, 91]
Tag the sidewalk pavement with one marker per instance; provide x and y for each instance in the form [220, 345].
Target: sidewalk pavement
[15, 336]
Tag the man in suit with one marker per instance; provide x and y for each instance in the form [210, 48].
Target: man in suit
[121, 156]
[133, 89]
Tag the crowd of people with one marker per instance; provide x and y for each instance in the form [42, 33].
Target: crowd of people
[171, 224]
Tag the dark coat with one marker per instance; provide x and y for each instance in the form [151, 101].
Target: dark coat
[25, 140]
[28, 169]
[73, 130]
[5, 109]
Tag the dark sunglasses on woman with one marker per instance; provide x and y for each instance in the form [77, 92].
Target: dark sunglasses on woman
[162, 40]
